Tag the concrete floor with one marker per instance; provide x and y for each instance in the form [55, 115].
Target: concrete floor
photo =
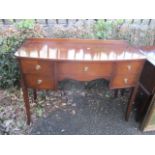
[94, 111]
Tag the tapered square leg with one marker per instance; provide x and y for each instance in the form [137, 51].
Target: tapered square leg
[122, 92]
[115, 93]
[34, 94]
[131, 101]
[26, 102]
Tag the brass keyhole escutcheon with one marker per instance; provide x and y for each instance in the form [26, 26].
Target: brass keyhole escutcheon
[129, 67]
[39, 81]
[125, 80]
[86, 69]
[38, 67]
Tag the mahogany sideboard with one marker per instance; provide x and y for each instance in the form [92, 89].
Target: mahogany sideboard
[44, 62]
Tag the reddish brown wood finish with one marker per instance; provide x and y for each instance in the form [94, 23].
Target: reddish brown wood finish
[39, 81]
[126, 73]
[123, 81]
[37, 66]
[26, 101]
[44, 62]
[78, 50]
[84, 71]
[129, 67]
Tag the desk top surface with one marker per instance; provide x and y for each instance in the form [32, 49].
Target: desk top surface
[79, 50]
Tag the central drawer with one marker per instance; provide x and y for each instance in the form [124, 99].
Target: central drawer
[39, 81]
[86, 69]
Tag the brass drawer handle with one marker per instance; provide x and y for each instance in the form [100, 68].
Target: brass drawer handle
[125, 80]
[38, 67]
[86, 69]
[39, 81]
[129, 67]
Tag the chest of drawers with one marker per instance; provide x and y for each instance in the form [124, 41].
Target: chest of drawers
[45, 62]
[38, 74]
[126, 73]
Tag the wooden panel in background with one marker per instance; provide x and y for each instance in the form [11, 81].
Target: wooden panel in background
[149, 120]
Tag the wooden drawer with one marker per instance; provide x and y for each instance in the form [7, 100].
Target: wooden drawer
[129, 67]
[123, 81]
[37, 66]
[39, 81]
[85, 68]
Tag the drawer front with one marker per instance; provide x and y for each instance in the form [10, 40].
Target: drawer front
[123, 81]
[129, 67]
[84, 68]
[37, 66]
[39, 81]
